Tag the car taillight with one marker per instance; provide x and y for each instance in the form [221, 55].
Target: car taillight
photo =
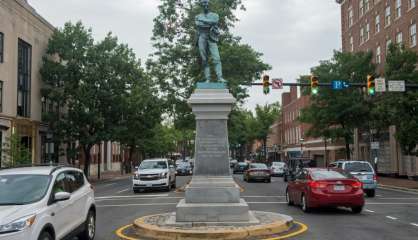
[357, 184]
[375, 177]
[317, 184]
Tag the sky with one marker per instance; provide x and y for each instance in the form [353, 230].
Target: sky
[293, 35]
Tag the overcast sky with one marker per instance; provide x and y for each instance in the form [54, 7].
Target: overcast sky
[293, 34]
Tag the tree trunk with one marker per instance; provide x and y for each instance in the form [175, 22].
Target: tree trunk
[265, 149]
[87, 159]
[99, 161]
[131, 149]
[347, 149]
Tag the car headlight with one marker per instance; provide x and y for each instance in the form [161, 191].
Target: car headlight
[18, 225]
[163, 175]
[136, 176]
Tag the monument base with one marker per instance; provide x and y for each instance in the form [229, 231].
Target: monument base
[212, 199]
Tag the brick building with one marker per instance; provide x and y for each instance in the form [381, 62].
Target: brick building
[372, 25]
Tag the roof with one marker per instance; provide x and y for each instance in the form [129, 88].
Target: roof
[41, 170]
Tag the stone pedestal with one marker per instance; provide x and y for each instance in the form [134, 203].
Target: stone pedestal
[212, 195]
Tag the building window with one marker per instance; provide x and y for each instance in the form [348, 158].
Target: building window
[398, 9]
[377, 26]
[378, 55]
[1, 47]
[413, 34]
[350, 17]
[24, 78]
[367, 33]
[387, 16]
[399, 38]
[361, 35]
[412, 3]
[351, 44]
[388, 43]
[361, 7]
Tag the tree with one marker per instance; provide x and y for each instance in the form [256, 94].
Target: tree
[336, 114]
[400, 109]
[175, 63]
[240, 132]
[265, 116]
[15, 153]
[87, 82]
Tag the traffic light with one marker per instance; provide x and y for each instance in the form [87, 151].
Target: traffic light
[314, 85]
[371, 88]
[266, 84]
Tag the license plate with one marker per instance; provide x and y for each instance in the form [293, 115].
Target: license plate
[149, 185]
[339, 188]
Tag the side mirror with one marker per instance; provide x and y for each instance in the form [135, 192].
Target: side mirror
[61, 196]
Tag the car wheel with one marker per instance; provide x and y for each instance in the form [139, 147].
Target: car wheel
[45, 236]
[285, 178]
[371, 193]
[168, 188]
[269, 180]
[89, 227]
[357, 210]
[305, 206]
[174, 184]
[289, 202]
[136, 191]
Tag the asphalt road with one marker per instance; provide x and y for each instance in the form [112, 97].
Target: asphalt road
[390, 215]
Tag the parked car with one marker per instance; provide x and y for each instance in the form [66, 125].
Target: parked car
[278, 168]
[293, 165]
[47, 203]
[154, 174]
[363, 171]
[240, 167]
[257, 172]
[233, 162]
[325, 187]
[184, 169]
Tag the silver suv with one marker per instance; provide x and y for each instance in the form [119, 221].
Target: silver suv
[46, 203]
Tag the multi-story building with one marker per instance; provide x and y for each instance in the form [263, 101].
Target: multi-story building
[372, 25]
[24, 37]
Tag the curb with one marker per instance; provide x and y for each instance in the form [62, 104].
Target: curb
[398, 188]
[156, 232]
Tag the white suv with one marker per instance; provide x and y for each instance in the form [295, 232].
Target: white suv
[154, 174]
[46, 203]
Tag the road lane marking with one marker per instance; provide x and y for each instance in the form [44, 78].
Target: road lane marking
[136, 204]
[370, 211]
[131, 196]
[393, 218]
[390, 203]
[398, 190]
[107, 185]
[378, 195]
[263, 196]
[414, 224]
[267, 202]
[136, 198]
[398, 198]
[124, 190]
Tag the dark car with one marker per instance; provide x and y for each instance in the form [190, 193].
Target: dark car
[325, 187]
[184, 169]
[257, 172]
[240, 167]
[295, 164]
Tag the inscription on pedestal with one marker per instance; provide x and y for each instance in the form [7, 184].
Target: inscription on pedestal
[212, 148]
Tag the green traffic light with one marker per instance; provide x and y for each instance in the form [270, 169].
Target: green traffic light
[314, 91]
[371, 91]
[266, 90]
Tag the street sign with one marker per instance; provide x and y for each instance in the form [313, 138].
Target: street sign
[339, 84]
[396, 86]
[374, 145]
[380, 84]
[277, 83]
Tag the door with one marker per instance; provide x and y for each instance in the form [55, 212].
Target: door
[61, 212]
[300, 182]
[79, 194]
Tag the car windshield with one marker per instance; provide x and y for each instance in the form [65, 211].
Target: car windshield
[22, 189]
[242, 164]
[328, 174]
[358, 167]
[184, 164]
[153, 165]
[259, 165]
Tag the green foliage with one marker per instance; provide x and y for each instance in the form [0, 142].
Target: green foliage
[335, 114]
[15, 153]
[100, 89]
[400, 109]
[240, 127]
[175, 65]
[265, 116]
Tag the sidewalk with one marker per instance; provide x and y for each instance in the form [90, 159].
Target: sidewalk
[106, 176]
[398, 183]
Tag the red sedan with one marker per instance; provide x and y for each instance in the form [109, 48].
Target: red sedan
[322, 187]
